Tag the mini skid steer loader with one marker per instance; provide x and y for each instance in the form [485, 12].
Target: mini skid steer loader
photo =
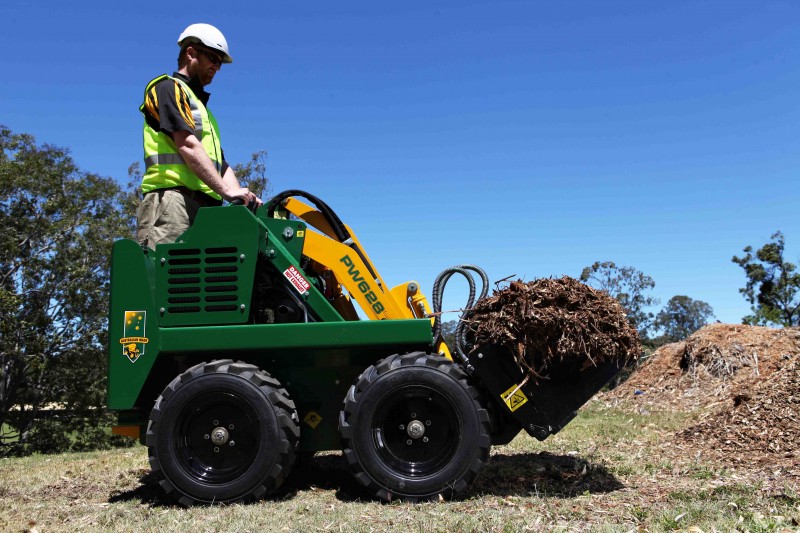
[239, 347]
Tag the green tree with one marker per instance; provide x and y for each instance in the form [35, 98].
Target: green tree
[132, 194]
[449, 333]
[681, 317]
[253, 174]
[773, 284]
[629, 286]
[58, 226]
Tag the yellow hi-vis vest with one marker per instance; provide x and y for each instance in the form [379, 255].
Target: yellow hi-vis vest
[164, 166]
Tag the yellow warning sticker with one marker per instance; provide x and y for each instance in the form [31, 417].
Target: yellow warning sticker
[301, 233]
[312, 419]
[514, 398]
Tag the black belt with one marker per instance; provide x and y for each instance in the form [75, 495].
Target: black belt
[198, 196]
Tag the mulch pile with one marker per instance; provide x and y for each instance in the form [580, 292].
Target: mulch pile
[765, 418]
[555, 327]
[710, 366]
[743, 381]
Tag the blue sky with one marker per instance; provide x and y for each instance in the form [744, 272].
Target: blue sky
[531, 138]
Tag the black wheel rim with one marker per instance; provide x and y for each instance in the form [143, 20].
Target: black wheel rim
[415, 430]
[217, 437]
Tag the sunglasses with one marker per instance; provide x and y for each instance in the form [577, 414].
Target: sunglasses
[211, 56]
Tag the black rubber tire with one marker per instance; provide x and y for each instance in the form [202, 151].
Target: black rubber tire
[381, 409]
[246, 403]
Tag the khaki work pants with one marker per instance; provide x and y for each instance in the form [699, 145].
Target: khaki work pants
[163, 216]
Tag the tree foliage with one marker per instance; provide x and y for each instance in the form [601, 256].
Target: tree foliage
[629, 286]
[681, 317]
[132, 194]
[253, 174]
[449, 333]
[773, 284]
[58, 226]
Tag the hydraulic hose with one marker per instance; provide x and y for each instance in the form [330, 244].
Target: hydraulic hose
[460, 347]
[342, 235]
[438, 293]
[335, 222]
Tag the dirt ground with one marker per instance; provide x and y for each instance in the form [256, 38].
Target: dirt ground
[743, 382]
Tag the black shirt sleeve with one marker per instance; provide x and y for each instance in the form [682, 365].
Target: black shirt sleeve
[167, 108]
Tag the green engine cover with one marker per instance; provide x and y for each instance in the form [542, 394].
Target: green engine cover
[209, 279]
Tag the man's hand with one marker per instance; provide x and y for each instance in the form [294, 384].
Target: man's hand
[243, 194]
[237, 191]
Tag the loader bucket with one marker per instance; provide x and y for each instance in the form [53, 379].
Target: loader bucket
[542, 407]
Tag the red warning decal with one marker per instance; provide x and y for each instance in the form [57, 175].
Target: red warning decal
[296, 279]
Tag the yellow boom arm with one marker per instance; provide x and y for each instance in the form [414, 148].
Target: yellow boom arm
[353, 270]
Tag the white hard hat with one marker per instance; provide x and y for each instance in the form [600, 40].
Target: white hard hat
[207, 35]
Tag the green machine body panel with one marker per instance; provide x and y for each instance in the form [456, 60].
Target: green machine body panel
[191, 301]
[209, 280]
[290, 233]
[131, 351]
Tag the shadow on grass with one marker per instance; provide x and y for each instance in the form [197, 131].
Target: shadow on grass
[325, 472]
[147, 492]
[541, 474]
[544, 474]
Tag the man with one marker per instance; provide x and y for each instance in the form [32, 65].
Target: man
[185, 168]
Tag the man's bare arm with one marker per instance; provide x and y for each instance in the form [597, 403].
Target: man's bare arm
[196, 158]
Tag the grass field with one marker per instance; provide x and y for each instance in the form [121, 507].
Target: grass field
[609, 470]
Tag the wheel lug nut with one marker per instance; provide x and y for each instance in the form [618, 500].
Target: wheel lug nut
[413, 415]
[230, 427]
[424, 439]
[402, 427]
[233, 443]
[216, 422]
[409, 441]
[216, 450]
[206, 436]
[427, 422]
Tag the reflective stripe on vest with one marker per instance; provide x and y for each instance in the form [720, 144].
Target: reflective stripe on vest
[163, 159]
